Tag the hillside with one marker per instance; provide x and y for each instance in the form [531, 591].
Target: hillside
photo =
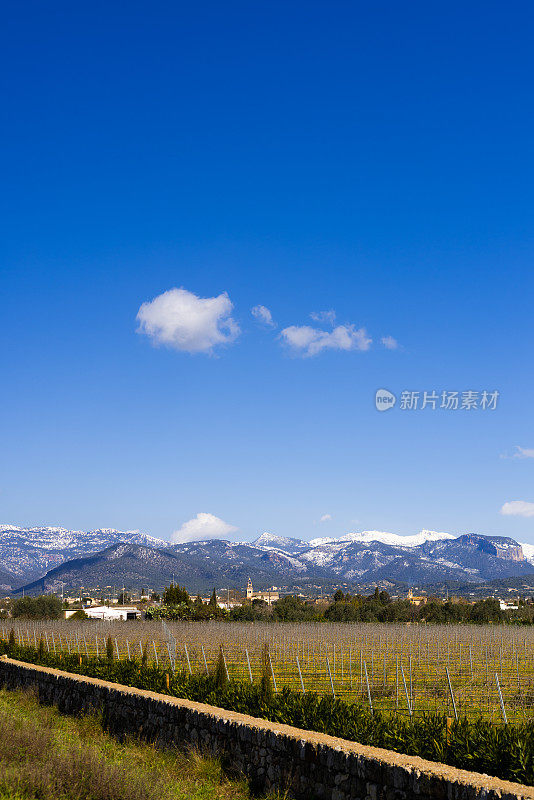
[293, 564]
[128, 565]
[30, 552]
[8, 581]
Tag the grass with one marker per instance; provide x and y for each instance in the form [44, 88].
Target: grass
[47, 756]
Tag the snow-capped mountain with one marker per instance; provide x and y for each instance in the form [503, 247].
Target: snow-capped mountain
[386, 538]
[358, 559]
[270, 541]
[31, 552]
[528, 551]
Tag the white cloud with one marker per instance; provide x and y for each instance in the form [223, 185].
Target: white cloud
[324, 316]
[263, 314]
[183, 321]
[389, 343]
[203, 526]
[518, 508]
[521, 452]
[326, 518]
[307, 341]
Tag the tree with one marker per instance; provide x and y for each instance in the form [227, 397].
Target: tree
[266, 686]
[249, 612]
[46, 606]
[338, 596]
[213, 599]
[174, 595]
[486, 611]
[78, 615]
[221, 678]
[292, 609]
[343, 612]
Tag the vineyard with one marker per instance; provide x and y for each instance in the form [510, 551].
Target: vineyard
[482, 671]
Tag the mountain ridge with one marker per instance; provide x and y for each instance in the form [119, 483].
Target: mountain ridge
[355, 560]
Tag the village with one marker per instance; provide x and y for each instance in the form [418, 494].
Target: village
[129, 605]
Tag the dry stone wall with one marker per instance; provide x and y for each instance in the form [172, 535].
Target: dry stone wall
[311, 766]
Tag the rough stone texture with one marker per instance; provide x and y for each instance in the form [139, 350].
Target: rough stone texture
[309, 765]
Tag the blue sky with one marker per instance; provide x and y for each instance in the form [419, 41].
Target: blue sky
[371, 160]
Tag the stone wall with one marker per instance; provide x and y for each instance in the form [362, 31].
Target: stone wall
[309, 765]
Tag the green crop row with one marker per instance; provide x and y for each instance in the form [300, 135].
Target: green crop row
[504, 751]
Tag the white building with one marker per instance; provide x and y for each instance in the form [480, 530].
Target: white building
[104, 612]
[505, 606]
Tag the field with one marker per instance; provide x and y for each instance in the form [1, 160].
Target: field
[459, 670]
[48, 756]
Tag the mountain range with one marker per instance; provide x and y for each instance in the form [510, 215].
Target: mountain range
[27, 553]
[44, 559]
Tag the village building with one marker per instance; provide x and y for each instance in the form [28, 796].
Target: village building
[270, 596]
[107, 613]
[416, 600]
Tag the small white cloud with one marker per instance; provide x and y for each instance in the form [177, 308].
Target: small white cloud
[521, 452]
[518, 508]
[183, 321]
[262, 314]
[324, 316]
[389, 343]
[326, 518]
[307, 341]
[203, 526]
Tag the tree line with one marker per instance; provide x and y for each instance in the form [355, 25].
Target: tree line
[177, 604]
[380, 607]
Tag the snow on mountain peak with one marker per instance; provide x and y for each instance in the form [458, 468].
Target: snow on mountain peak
[364, 537]
[528, 551]
[272, 540]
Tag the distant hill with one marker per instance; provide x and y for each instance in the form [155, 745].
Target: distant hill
[30, 552]
[355, 561]
[8, 582]
[128, 565]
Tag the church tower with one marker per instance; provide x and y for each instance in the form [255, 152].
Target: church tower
[249, 590]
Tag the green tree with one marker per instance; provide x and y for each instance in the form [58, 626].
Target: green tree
[343, 612]
[292, 609]
[174, 595]
[46, 606]
[78, 615]
[487, 610]
[213, 599]
[266, 686]
[221, 677]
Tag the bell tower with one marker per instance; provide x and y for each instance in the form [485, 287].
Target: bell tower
[249, 590]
